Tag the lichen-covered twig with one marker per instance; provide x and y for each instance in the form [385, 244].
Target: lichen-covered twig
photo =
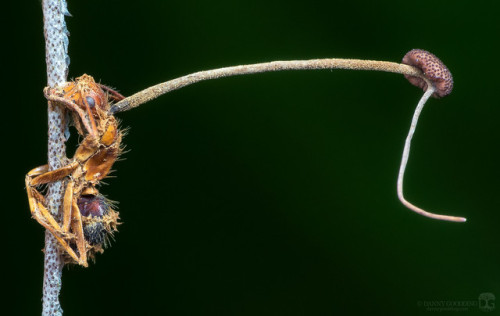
[56, 53]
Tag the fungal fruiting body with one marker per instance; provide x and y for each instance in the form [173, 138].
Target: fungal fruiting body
[432, 68]
[438, 82]
[420, 67]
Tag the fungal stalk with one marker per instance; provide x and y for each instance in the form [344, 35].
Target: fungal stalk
[404, 161]
[420, 67]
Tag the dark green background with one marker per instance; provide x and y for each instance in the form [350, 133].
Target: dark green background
[271, 194]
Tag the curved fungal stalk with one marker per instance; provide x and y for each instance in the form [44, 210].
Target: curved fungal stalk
[404, 161]
[420, 67]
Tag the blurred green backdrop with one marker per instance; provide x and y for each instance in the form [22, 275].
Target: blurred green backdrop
[270, 194]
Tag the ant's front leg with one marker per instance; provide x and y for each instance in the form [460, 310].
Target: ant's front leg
[87, 120]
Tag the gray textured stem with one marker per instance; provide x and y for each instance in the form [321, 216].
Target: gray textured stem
[56, 54]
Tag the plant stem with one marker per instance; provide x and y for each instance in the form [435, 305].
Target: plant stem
[56, 48]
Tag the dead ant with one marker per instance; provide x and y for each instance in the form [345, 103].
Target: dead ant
[91, 216]
[88, 218]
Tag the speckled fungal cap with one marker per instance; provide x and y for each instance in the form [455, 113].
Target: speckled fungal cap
[432, 68]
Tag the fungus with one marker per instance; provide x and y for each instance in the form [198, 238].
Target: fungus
[420, 67]
[438, 82]
[432, 68]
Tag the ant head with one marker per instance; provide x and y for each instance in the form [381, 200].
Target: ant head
[87, 94]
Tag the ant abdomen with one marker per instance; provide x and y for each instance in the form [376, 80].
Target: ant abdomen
[98, 218]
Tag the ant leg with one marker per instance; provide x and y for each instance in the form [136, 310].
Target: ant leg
[40, 213]
[71, 106]
[77, 226]
[41, 175]
[67, 204]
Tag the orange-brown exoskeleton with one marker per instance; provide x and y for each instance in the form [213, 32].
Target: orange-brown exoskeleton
[87, 217]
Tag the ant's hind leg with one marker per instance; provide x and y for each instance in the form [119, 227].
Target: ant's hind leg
[42, 215]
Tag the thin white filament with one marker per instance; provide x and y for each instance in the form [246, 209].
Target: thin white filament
[404, 162]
